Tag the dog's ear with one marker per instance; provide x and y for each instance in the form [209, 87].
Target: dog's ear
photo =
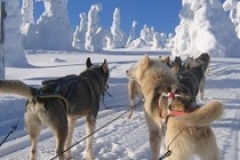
[165, 60]
[168, 61]
[147, 60]
[88, 62]
[105, 66]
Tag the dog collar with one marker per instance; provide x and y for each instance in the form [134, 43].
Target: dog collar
[172, 114]
[170, 95]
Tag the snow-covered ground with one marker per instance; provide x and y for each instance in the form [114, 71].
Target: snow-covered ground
[123, 139]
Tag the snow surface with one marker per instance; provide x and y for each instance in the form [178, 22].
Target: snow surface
[124, 139]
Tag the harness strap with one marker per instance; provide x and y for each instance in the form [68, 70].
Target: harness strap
[176, 113]
[171, 95]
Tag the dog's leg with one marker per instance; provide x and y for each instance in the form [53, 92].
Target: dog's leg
[154, 137]
[202, 88]
[154, 130]
[59, 126]
[33, 126]
[131, 92]
[71, 125]
[132, 95]
[61, 136]
[208, 149]
[91, 124]
[155, 143]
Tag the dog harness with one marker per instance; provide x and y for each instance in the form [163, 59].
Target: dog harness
[171, 95]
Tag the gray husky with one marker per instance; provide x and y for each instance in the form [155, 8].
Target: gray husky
[194, 75]
[59, 103]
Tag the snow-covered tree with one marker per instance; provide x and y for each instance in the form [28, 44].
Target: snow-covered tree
[27, 14]
[137, 43]
[52, 30]
[80, 33]
[205, 27]
[170, 40]
[233, 7]
[147, 33]
[95, 34]
[159, 40]
[14, 52]
[117, 39]
[132, 33]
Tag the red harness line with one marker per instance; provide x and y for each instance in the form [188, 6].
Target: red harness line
[171, 95]
[176, 113]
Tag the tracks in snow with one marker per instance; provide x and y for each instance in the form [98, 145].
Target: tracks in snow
[108, 142]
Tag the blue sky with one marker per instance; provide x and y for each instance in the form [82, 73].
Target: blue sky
[161, 14]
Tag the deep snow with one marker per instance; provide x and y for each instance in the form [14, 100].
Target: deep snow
[124, 139]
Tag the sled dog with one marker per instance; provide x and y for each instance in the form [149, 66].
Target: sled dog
[176, 65]
[191, 79]
[59, 103]
[203, 59]
[200, 62]
[187, 129]
[152, 74]
[188, 62]
[134, 89]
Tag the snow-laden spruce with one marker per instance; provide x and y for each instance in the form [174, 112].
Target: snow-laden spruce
[52, 30]
[205, 27]
[79, 36]
[233, 8]
[13, 53]
[116, 38]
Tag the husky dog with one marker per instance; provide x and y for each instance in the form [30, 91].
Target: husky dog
[191, 79]
[152, 74]
[176, 65]
[187, 129]
[59, 103]
[188, 62]
[200, 62]
[134, 89]
[204, 60]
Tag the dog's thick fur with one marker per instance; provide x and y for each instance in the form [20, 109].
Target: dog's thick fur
[134, 89]
[203, 59]
[192, 64]
[176, 65]
[78, 98]
[151, 74]
[191, 79]
[189, 134]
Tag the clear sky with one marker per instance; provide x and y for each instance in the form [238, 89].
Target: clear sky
[163, 15]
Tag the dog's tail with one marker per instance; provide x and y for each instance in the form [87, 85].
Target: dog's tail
[16, 87]
[204, 115]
